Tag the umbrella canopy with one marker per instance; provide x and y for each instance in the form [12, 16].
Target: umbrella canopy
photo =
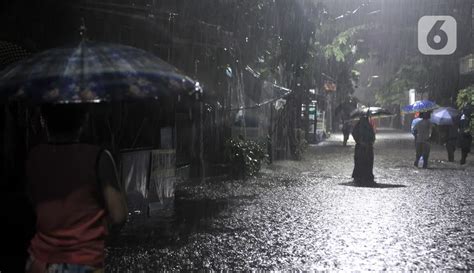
[377, 112]
[92, 72]
[420, 106]
[444, 116]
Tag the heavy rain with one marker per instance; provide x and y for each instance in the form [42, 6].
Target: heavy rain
[236, 135]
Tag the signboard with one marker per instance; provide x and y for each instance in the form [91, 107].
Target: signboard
[312, 110]
[411, 96]
[466, 65]
[321, 116]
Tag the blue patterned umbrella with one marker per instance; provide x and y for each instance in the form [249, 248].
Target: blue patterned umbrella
[444, 116]
[92, 72]
[420, 106]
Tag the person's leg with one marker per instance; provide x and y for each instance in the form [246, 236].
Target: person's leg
[426, 154]
[346, 137]
[464, 153]
[365, 166]
[370, 164]
[418, 148]
[356, 171]
[450, 149]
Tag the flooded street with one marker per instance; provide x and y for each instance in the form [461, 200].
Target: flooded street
[308, 215]
[137, 136]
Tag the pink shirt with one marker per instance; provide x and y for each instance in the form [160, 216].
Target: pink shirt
[71, 225]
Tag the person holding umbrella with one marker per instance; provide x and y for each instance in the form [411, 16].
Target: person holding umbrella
[422, 131]
[451, 140]
[446, 119]
[465, 137]
[75, 191]
[74, 186]
[413, 123]
[346, 131]
[364, 136]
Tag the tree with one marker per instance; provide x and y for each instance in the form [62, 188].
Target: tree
[291, 43]
[465, 100]
[416, 73]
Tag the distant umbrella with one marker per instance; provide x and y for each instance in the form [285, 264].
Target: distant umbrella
[420, 106]
[377, 112]
[92, 72]
[444, 116]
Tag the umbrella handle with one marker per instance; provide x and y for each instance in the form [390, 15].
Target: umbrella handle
[83, 29]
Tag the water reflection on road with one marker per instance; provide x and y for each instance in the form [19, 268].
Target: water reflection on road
[309, 215]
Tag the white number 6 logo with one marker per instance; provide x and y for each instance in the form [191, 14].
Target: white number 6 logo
[437, 35]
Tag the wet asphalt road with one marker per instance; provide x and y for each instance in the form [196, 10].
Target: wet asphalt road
[307, 215]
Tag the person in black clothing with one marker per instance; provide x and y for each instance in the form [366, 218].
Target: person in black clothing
[465, 137]
[364, 136]
[346, 131]
[450, 139]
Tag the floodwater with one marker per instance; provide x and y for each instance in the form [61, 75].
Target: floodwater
[307, 215]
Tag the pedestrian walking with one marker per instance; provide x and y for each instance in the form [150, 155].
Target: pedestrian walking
[423, 131]
[364, 136]
[76, 195]
[465, 137]
[451, 137]
[346, 131]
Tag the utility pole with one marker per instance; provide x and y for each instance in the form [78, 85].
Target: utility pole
[329, 88]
